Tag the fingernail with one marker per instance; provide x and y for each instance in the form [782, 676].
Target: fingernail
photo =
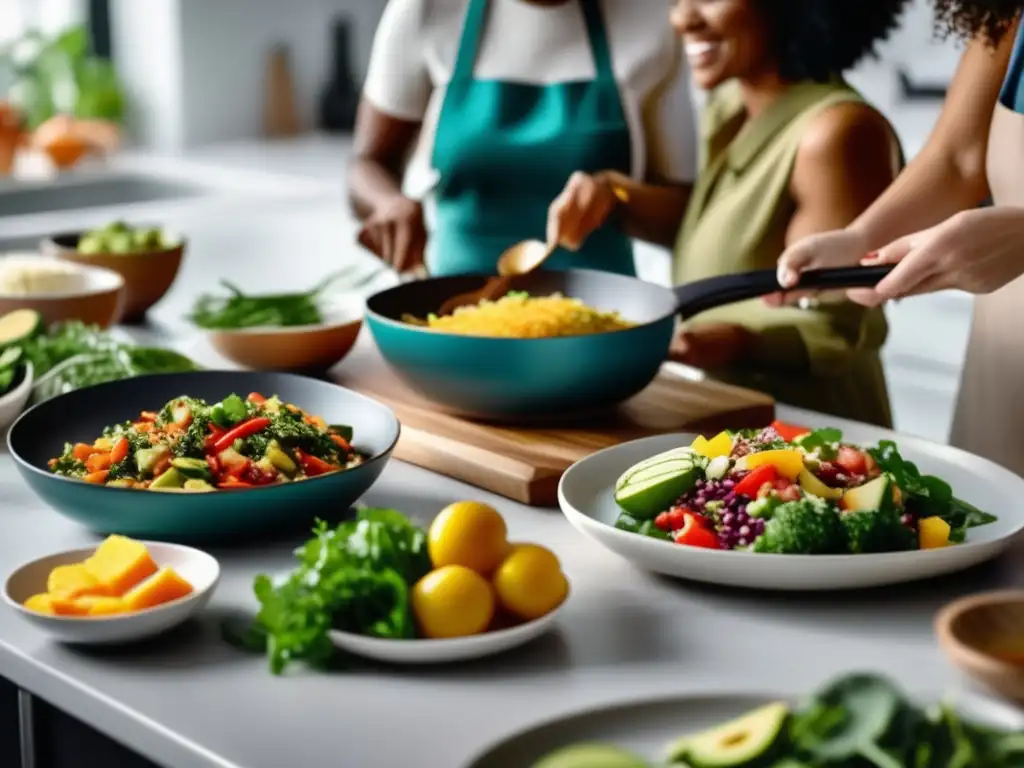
[870, 258]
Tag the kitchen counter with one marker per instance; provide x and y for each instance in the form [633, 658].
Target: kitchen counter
[191, 701]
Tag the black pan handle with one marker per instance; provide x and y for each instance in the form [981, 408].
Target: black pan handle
[700, 295]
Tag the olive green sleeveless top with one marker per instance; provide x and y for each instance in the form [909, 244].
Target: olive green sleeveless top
[824, 358]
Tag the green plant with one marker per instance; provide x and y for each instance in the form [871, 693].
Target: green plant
[46, 77]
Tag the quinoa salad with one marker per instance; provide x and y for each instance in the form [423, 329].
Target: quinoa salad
[788, 490]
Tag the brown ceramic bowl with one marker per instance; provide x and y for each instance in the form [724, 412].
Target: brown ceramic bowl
[147, 275]
[99, 300]
[300, 348]
[984, 636]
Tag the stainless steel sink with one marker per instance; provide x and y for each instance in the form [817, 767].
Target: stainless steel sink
[22, 198]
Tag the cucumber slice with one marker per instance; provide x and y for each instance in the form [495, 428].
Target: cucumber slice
[675, 453]
[19, 325]
[10, 357]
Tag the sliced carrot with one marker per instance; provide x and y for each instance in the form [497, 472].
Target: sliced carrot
[317, 421]
[98, 462]
[341, 442]
[120, 450]
[148, 416]
[97, 478]
[81, 451]
[256, 397]
[162, 465]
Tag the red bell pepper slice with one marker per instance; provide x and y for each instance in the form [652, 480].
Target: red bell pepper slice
[313, 466]
[695, 534]
[230, 482]
[751, 484]
[789, 432]
[240, 432]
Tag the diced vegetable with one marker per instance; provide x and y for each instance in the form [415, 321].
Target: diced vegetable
[751, 484]
[933, 533]
[120, 450]
[789, 432]
[240, 432]
[314, 466]
[695, 534]
[719, 445]
[788, 462]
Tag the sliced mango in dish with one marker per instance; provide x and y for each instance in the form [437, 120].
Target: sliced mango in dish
[40, 604]
[72, 581]
[162, 587]
[120, 563]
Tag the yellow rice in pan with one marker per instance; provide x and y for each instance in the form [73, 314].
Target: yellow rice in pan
[521, 316]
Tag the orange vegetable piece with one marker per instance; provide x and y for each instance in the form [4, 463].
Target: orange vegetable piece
[162, 587]
[120, 563]
[97, 478]
[81, 451]
[68, 606]
[100, 605]
[120, 450]
[40, 604]
[98, 462]
[71, 581]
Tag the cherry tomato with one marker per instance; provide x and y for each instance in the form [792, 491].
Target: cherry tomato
[854, 462]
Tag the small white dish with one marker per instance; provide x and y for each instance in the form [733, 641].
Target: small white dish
[586, 495]
[13, 402]
[447, 650]
[198, 568]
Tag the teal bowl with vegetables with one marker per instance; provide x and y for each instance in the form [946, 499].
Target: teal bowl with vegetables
[203, 456]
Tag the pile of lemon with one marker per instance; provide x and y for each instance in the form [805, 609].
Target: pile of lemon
[481, 581]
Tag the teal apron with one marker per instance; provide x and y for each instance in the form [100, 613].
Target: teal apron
[504, 151]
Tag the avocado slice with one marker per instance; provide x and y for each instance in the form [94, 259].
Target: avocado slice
[197, 468]
[673, 454]
[146, 458]
[874, 494]
[812, 485]
[647, 497]
[172, 478]
[592, 756]
[197, 485]
[19, 325]
[738, 743]
[280, 458]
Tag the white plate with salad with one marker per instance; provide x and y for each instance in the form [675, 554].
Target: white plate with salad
[858, 719]
[793, 508]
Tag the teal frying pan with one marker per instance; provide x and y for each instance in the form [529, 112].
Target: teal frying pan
[521, 379]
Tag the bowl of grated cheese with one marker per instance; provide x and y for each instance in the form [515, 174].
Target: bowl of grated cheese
[60, 290]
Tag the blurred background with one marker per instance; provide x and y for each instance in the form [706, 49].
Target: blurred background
[220, 102]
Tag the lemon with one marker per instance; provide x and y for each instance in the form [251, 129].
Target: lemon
[468, 533]
[530, 582]
[452, 601]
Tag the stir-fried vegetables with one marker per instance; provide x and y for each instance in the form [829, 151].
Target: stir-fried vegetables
[192, 446]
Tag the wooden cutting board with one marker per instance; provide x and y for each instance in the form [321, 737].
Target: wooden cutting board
[526, 463]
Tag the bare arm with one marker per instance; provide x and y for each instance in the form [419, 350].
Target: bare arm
[846, 160]
[381, 148]
[650, 212]
[948, 175]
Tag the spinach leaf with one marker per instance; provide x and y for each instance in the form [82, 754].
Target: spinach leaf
[356, 577]
[819, 438]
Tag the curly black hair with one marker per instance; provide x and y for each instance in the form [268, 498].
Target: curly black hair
[819, 39]
[968, 19]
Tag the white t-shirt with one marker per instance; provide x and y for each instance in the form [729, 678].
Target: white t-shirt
[416, 43]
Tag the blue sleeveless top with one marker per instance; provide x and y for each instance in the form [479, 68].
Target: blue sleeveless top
[1012, 94]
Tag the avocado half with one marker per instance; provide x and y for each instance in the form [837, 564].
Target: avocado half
[741, 742]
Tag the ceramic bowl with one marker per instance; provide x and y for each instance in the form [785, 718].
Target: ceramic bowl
[299, 348]
[198, 568]
[447, 650]
[80, 416]
[99, 300]
[13, 402]
[984, 636]
[147, 275]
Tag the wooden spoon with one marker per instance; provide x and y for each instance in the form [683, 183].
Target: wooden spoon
[519, 259]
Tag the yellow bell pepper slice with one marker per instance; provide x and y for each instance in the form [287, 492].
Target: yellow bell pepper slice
[787, 462]
[933, 533]
[719, 445]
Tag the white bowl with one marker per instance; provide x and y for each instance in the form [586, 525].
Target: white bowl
[198, 568]
[13, 402]
[586, 494]
[96, 295]
[445, 650]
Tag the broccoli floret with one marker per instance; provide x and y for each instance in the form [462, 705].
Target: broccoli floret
[810, 526]
[291, 431]
[871, 530]
[192, 443]
[765, 506]
[67, 464]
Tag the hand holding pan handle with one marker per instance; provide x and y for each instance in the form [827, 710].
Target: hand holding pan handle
[700, 295]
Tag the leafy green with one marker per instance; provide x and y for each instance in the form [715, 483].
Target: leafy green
[928, 495]
[819, 438]
[73, 355]
[241, 310]
[355, 577]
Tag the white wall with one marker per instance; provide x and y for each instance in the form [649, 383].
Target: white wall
[196, 67]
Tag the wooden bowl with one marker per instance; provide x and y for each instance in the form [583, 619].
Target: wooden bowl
[100, 301]
[976, 631]
[300, 348]
[148, 275]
